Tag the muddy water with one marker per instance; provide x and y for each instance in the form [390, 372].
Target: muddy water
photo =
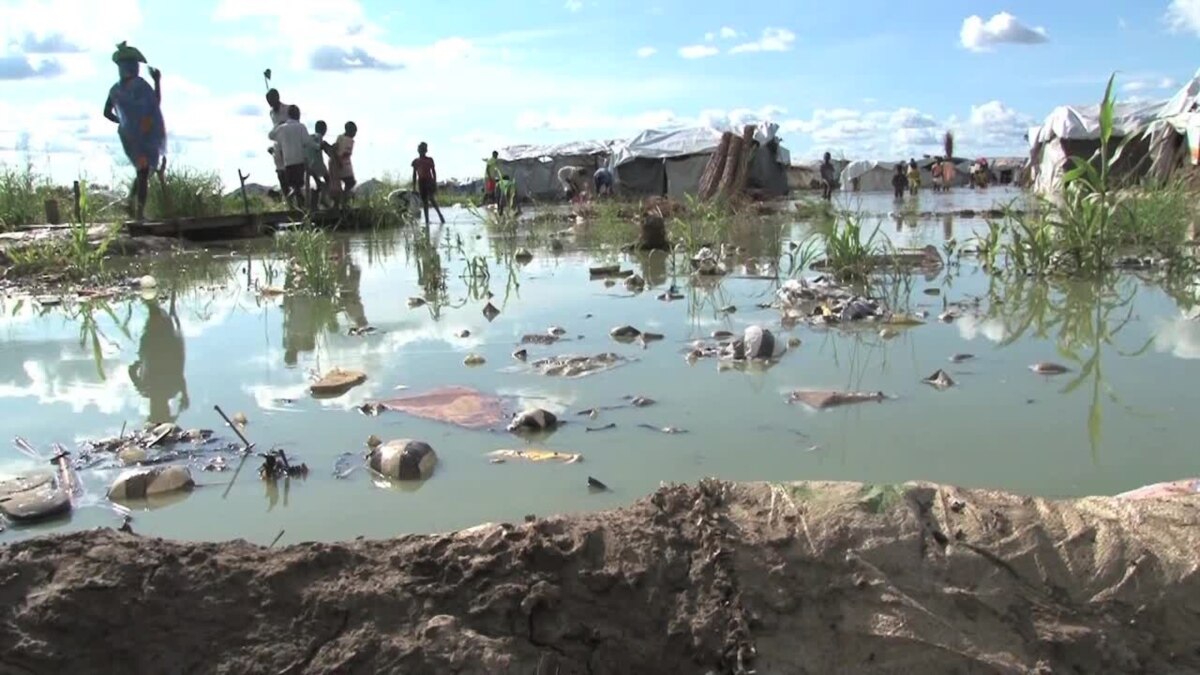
[72, 373]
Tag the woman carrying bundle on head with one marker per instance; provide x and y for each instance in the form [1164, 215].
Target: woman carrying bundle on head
[136, 108]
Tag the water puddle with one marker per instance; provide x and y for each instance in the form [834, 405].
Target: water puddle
[1115, 420]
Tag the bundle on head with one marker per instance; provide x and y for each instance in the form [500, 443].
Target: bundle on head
[948, 144]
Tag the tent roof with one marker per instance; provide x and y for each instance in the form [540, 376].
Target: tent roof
[1083, 122]
[515, 153]
[684, 141]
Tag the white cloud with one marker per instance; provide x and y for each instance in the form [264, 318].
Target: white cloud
[646, 52]
[1143, 84]
[978, 35]
[49, 38]
[1184, 15]
[772, 40]
[1122, 23]
[728, 33]
[698, 51]
[573, 5]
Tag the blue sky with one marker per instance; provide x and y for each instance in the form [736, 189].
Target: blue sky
[866, 79]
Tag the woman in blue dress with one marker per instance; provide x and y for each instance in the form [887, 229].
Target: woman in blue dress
[136, 108]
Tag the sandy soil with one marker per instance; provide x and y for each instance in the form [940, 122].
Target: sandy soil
[714, 578]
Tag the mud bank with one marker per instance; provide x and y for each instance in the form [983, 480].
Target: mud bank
[714, 578]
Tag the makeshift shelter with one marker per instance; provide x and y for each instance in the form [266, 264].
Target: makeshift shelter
[671, 162]
[535, 167]
[868, 176]
[1159, 131]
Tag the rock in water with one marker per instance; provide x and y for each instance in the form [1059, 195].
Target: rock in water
[490, 312]
[1047, 368]
[403, 459]
[145, 483]
[33, 497]
[635, 283]
[624, 333]
[940, 380]
[474, 360]
[536, 419]
[757, 343]
[652, 235]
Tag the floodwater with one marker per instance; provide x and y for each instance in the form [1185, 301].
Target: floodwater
[1119, 420]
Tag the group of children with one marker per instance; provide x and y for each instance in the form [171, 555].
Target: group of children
[908, 177]
[300, 158]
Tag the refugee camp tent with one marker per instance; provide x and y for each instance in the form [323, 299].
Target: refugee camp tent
[1175, 135]
[534, 168]
[671, 161]
[1160, 129]
[868, 176]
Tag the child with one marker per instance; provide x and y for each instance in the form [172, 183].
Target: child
[914, 177]
[292, 143]
[899, 182]
[315, 162]
[491, 177]
[828, 177]
[341, 164]
[425, 180]
[506, 195]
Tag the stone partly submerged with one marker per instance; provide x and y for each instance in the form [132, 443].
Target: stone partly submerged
[821, 399]
[403, 459]
[459, 406]
[710, 578]
[34, 497]
[533, 420]
[337, 382]
[940, 379]
[151, 482]
[756, 344]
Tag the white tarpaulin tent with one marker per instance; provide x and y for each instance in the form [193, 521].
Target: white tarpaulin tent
[867, 176]
[1075, 131]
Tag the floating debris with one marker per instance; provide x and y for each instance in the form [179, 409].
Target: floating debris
[459, 406]
[756, 344]
[276, 465]
[414, 303]
[539, 339]
[535, 419]
[939, 380]
[1048, 368]
[641, 401]
[374, 441]
[523, 256]
[240, 420]
[794, 343]
[361, 331]
[403, 459]
[706, 263]
[371, 409]
[606, 427]
[521, 355]
[651, 337]
[635, 283]
[336, 383]
[961, 358]
[594, 484]
[556, 331]
[535, 456]
[932, 291]
[474, 360]
[889, 333]
[464, 334]
[577, 366]
[664, 430]
[671, 295]
[947, 317]
[604, 271]
[822, 399]
[34, 497]
[216, 464]
[731, 309]
[490, 312]
[722, 335]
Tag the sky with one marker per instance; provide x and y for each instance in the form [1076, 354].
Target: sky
[871, 79]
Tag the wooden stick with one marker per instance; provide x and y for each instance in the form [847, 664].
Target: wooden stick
[245, 198]
[276, 539]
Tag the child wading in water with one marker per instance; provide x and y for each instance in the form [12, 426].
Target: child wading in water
[425, 180]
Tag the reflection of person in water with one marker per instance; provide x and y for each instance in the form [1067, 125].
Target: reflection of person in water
[303, 317]
[349, 280]
[158, 374]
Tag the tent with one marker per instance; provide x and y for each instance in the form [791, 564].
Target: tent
[1159, 130]
[868, 176]
[535, 167]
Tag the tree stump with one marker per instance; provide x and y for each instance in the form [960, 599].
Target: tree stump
[710, 180]
[652, 235]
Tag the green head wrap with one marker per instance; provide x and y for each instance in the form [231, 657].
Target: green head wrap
[126, 53]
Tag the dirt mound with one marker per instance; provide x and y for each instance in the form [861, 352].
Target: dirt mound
[715, 578]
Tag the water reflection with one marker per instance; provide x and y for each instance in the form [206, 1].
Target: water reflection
[158, 374]
[306, 317]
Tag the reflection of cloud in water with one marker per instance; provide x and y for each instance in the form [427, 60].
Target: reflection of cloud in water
[971, 327]
[556, 402]
[197, 316]
[69, 376]
[1180, 337]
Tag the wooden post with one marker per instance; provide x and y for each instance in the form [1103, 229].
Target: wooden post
[75, 190]
[245, 199]
[732, 163]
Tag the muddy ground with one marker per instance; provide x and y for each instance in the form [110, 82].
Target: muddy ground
[714, 578]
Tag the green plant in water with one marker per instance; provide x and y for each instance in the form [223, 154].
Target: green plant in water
[848, 255]
[80, 254]
[310, 255]
[23, 193]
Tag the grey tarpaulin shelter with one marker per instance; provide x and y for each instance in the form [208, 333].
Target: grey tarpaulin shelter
[535, 167]
[671, 161]
[1159, 130]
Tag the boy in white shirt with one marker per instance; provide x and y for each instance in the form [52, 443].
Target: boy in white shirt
[293, 144]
